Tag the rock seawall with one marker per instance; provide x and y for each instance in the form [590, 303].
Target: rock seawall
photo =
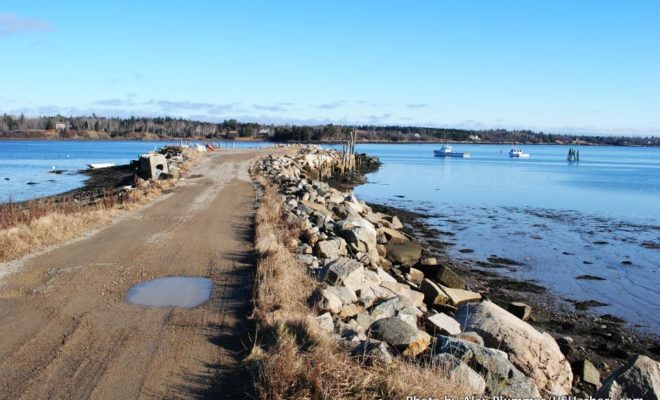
[383, 295]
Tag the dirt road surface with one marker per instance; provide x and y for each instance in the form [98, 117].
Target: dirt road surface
[66, 331]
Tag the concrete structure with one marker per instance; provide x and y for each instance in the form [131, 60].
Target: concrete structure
[151, 165]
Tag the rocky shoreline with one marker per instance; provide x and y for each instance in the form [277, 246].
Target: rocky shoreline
[383, 292]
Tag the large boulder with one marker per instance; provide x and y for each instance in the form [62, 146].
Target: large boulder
[345, 271]
[400, 335]
[535, 353]
[638, 379]
[502, 378]
[359, 232]
[407, 253]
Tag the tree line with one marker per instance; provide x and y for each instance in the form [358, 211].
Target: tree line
[178, 128]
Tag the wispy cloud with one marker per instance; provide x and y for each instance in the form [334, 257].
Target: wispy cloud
[167, 105]
[110, 102]
[261, 107]
[331, 106]
[12, 23]
[219, 109]
[418, 105]
[279, 107]
[373, 118]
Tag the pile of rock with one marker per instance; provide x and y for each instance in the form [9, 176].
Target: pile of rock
[164, 164]
[383, 295]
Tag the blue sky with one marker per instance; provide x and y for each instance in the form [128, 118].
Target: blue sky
[560, 66]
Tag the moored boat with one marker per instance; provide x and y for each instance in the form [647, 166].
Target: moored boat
[100, 165]
[518, 153]
[447, 151]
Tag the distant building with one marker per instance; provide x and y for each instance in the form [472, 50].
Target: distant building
[266, 132]
[417, 136]
[60, 126]
[476, 138]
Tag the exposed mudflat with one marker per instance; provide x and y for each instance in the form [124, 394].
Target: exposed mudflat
[68, 332]
[605, 339]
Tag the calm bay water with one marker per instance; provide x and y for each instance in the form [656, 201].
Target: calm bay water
[23, 162]
[600, 217]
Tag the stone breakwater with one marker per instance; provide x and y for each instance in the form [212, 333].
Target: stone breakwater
[383, 295]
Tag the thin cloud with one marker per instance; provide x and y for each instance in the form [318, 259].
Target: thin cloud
[12, 23]
[418, 105]
[331, 106]
[219, 109]
[261, 107]
[381, 117]
[110, 102]
[167, 105]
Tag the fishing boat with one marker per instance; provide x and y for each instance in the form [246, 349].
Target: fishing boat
[447, 151]
[518, 153]
[100, 165]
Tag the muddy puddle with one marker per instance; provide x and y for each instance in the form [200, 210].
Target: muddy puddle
[172, 291]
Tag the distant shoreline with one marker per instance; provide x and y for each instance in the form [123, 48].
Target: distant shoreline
[319, 142]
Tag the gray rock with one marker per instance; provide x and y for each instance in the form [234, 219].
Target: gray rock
[443, 324]
[639, 378]
[373, 352]
[395, 223]
[407, 253]
[330, 302]
[400, 335]
[346, 295]
[345, 271]
[415, 276]
[325, 322]
[359, 232]
[502, 378]
[432, 293]
[306, 259]
[461, 375]
[444, 275]
[330, 249]
[392, 235]
[363, 321]
[587, 372]
[390, 307]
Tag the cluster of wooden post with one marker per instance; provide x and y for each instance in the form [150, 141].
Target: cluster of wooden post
[348, 157]
[573, 155]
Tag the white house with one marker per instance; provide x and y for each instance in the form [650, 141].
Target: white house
[60, 126]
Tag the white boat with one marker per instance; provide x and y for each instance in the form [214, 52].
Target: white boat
[518, 153]
[447, 151]
[100, 165]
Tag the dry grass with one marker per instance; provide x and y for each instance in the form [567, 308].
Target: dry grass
[28, 227]
[293, 358]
